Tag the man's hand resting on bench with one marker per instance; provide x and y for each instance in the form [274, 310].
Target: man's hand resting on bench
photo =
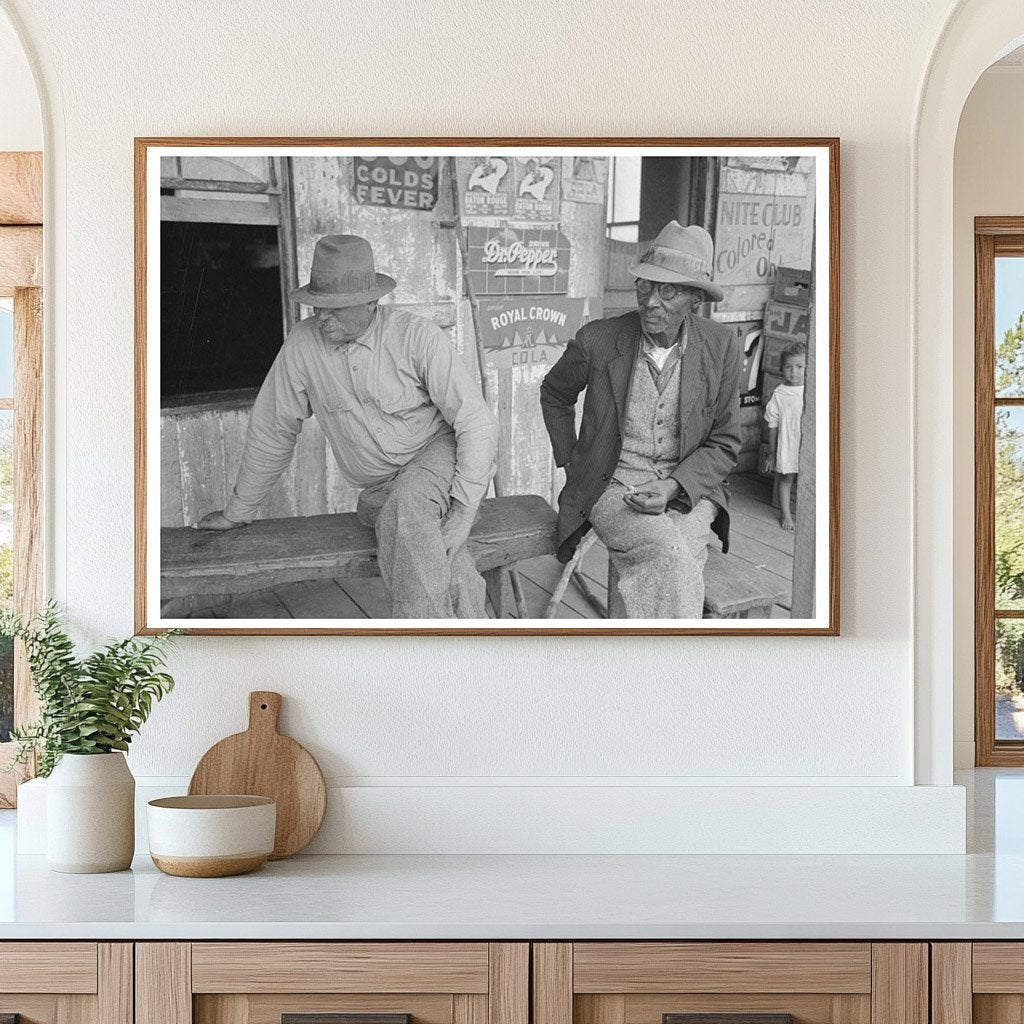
[217, 521]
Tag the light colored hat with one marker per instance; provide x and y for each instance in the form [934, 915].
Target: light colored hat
[681, 256]
[343, 274]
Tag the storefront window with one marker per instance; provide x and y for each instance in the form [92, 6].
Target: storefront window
[220, 307]
[227, 263]
[624, 199]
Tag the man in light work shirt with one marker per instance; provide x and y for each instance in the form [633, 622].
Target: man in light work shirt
[404, 419]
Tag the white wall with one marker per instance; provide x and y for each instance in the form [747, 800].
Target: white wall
[21, 127]
[987, 182]
[427, 715]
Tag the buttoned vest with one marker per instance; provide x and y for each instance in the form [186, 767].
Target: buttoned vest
[650, 435]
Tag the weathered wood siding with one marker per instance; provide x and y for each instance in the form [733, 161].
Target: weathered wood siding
[201, 448]
[525, 462]
[200, 453]
[415, 248]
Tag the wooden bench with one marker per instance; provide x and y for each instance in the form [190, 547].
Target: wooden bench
[268, 552]
[735, 592]
[732, 590]
[197, 564]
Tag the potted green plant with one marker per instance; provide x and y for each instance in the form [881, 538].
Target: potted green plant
[89, 710]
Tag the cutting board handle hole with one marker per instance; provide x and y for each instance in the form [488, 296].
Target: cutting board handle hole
[263, 707]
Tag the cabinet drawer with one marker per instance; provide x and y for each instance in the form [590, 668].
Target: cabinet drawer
[998, 967]
[340, 967]
[66, 982]
[58, 967]
[730, 983]
[633, 967]
[332, 983]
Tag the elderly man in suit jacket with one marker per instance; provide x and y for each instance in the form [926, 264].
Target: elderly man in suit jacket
[660, 430]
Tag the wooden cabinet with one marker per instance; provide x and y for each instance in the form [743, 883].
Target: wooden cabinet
[978, 983]
[261, 982]
[814, 982]
[66, 982]
[494, 983]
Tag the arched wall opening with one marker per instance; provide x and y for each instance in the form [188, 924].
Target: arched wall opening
[987, 182]
[976, 35]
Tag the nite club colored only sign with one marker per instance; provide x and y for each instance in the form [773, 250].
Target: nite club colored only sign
[754, 231]
[765, 221]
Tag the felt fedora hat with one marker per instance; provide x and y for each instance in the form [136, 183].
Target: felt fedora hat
[343, 274]
[680, 256]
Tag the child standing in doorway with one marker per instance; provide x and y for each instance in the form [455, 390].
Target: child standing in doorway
[782, 414]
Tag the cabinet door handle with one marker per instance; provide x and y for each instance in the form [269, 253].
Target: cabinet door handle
[726, 1018]
[339, 1018]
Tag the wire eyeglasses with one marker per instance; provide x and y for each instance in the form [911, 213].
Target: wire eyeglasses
[666, 290]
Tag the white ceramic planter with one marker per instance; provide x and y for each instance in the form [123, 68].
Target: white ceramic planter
[90, 814]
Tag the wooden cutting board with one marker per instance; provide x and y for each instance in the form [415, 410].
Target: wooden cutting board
[262, 762]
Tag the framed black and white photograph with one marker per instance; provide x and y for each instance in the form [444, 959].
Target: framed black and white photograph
[487, 386]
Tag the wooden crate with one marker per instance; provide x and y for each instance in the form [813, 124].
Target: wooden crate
[792, 286]
[788, 322]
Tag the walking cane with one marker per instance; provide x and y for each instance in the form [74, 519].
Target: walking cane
[474, 309]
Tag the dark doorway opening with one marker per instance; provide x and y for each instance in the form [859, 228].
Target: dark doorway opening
[220, 307]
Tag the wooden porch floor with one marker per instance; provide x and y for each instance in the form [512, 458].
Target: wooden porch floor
[755, 538]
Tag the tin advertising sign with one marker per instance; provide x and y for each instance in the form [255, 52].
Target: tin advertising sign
[525, 332]
[520, 261]
[400, 182]
[512, 188]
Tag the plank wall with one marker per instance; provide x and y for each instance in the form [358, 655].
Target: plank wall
[201, 445]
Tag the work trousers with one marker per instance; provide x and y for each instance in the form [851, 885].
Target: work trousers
[660, 559]
[405, 513]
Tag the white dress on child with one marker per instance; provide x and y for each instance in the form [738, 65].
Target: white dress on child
[784, 410]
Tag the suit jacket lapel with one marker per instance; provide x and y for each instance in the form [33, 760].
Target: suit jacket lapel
[690, 370]
[620, 369]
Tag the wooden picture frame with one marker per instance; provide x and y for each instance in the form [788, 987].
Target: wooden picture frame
[768, 202]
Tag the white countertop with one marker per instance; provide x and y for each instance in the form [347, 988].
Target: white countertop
[516, 897]
[977, 896]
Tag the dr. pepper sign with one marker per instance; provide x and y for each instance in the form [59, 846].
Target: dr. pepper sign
[401, 182]
[521, 261]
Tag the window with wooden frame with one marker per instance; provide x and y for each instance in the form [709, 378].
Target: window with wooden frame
[999, 490]
[624, 199]
[229, 261]
[21, 363]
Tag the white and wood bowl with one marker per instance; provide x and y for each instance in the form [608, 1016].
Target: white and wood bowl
[211, 836]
